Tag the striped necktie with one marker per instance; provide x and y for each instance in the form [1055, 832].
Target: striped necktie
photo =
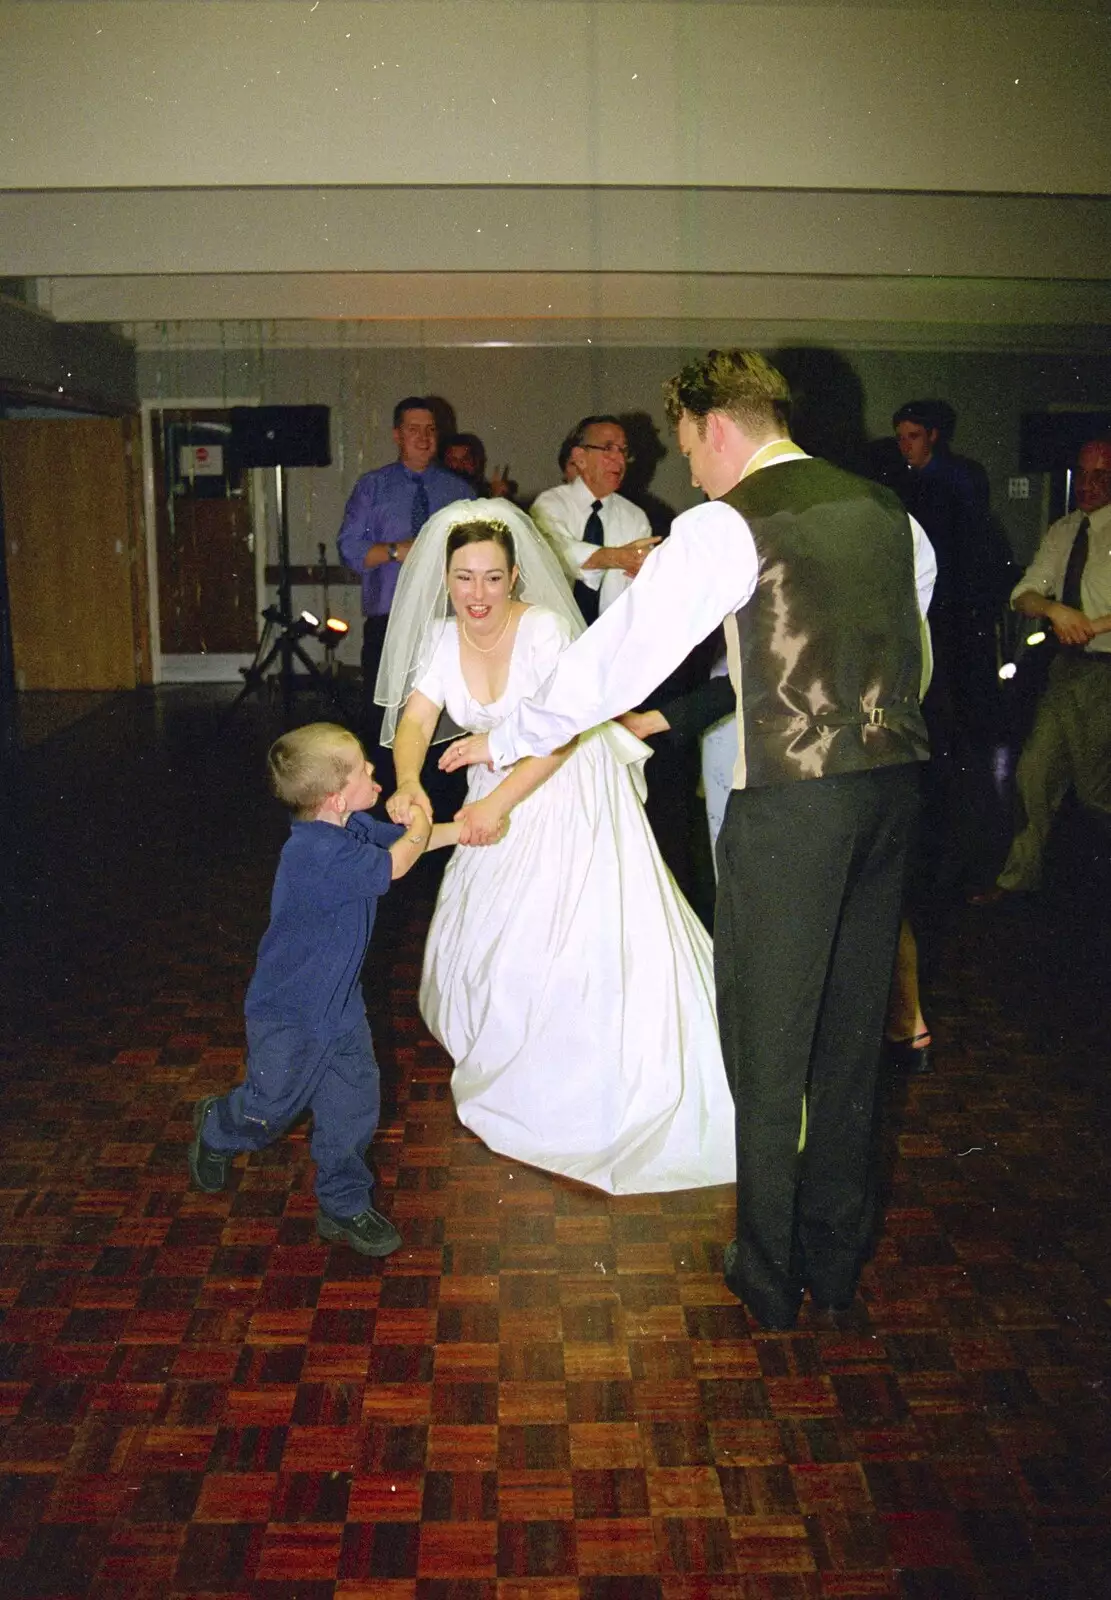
[1074, 570]
[419, 514]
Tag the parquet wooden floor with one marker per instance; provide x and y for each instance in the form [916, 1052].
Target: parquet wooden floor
[547, 1394]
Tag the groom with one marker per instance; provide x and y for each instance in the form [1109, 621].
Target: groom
[821, 580]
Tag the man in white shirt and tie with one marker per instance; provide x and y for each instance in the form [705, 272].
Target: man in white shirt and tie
[600, 537]
[1068, 583]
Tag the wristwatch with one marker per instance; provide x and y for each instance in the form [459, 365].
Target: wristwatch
[391, 551]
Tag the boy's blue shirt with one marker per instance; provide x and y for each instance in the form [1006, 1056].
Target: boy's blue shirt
[322, 910]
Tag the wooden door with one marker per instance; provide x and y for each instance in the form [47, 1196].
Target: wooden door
[207, 603]
[75, 554]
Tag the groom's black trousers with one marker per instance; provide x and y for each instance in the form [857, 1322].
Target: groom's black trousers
[810, 883]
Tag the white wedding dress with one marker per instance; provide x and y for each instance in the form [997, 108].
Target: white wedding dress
[565, 974]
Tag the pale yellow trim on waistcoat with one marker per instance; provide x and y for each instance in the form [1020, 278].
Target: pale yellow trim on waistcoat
[733, 658]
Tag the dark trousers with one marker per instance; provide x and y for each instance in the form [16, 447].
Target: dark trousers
[810, 882]
[586, 599]
[289, 1070]
[374, 637]
[672, 807]
[446, 790]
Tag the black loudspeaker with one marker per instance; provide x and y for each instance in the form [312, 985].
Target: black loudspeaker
[281, 436]
[1049, 440]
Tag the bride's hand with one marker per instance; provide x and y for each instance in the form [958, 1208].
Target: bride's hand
[484, 822]
[473, 751]
[645, 723]
[406, 799]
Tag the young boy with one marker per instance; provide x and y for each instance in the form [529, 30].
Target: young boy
[308, 1042]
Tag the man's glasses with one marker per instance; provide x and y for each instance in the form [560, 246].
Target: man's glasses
[612, 450]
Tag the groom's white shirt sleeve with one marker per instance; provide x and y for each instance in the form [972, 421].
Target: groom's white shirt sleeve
[704, 570]
[925, 566]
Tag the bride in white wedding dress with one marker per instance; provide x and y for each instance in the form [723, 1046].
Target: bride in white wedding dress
[564, 973]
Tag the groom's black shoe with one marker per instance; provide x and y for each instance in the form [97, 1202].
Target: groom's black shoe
[850, 1317]
[776, 1318]
[837, 1305]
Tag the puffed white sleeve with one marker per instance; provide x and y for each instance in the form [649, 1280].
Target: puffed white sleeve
[432, 683]
[548, 636]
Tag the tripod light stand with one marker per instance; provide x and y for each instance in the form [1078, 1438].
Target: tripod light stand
[287, 632]
[279, 437]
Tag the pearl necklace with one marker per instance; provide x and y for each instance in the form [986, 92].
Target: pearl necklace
[486, 649]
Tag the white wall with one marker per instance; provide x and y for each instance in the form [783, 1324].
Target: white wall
[970, 97]
[522, 402]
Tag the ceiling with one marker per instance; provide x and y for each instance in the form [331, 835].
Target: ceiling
[562, 171]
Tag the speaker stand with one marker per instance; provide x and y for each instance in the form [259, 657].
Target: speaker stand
[287, 646]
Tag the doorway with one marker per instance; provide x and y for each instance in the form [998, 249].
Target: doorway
[76, 569]
[204, 511]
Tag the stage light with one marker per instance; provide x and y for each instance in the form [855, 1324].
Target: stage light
[1036, 638]
[329, 632]
[1007, 670]
[301, 627]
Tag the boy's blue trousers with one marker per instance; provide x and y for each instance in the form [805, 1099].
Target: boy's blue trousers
[289, 1070]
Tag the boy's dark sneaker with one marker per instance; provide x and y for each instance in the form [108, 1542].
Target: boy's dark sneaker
[370, 1233]
[208, 1168]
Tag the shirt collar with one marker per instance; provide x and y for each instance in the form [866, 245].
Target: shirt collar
[771, 454]
[584, 495]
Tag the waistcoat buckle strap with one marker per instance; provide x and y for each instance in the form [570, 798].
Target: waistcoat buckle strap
[873, 717]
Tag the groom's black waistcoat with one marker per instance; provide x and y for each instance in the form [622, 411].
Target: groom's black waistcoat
[830, 655]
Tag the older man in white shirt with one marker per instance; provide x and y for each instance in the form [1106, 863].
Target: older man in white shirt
[600, 537]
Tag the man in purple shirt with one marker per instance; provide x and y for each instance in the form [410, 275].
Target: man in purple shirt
[386, 511]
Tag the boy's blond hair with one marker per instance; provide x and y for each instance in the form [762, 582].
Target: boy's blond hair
[310, 763]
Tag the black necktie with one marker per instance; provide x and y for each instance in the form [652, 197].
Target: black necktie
[1074, 571]
[419, 514]
[593, 533]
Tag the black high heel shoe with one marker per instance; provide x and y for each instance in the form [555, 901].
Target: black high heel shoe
[912, 1055]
